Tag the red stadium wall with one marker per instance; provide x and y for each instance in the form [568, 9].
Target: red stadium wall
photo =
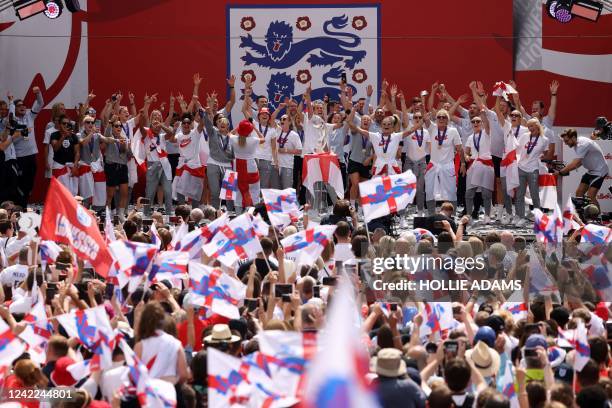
[156, 46]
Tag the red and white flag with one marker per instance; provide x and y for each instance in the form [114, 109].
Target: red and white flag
[135, 260]
[193, 241]
[503, 89]
[99, 179]
[178, 234]
[282, 206]
[66, 221]
[338, 370]
[437, 316]
[171, 266]
[229, 186]
[234, 383]
[548, 189]
[306, 246]
[518, 310]
[11, 346]
[596, 234]
[509, 165]
[322, 167]
[568, 217]
[215, 290]
[285, 356]
[139, 147]
[234, 242]
[385, 195]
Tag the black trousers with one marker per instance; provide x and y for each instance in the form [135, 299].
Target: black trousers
[10, 176]
[27, 172]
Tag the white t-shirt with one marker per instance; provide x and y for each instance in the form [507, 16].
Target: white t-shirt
[315, 130]
[484, 150]
[592, 156]
[151, 143]
[444, 153]
[385, 147]
[530, 162]
[47, 141]
[343, 252]
[289, 141]
[160, 352]
[264, 150]
[14, 275]
[247, 151]
[412, 148]
[189, 147]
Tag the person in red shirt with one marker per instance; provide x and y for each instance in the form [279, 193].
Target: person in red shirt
[26, 375]
[199, 325]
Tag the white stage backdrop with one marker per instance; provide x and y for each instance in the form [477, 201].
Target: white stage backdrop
[314, 44]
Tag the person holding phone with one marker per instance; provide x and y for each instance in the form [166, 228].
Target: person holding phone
[115, 166]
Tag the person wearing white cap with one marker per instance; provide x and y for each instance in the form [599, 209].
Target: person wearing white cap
[393, 387]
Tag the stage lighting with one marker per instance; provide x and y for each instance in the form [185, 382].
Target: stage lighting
[54, 9]
[28, 8]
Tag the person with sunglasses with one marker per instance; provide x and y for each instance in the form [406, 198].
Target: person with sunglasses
[116, 154]
[440, 178]
[66, 155]
[480, 175]
[26, 149]
[416, 150]
[190, 173]
[289, 145]
[266, 155]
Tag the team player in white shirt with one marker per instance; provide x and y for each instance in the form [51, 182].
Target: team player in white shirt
[440, 177]
[416, 149]
[480, 175]
[289, 144]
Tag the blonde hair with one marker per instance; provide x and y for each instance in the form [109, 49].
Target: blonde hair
[87, 117]
[535, 122]
[443, 112]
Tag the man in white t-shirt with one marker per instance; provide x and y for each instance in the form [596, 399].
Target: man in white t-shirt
[532, 147]
[15, 274]
[440, 177]
[589, 155]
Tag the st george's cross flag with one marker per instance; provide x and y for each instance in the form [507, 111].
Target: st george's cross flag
[11, 346]
[229, 186]
[171, 266]
[437, 316]
[211, 288]
[134, 260]
[66, 221]
[596, 234]
[281, 205]
[322, 167]
[306, 246]
[385, 195]
[568, 217]
[193, 241]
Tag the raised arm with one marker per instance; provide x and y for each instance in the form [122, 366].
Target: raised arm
[197, 80]
[391, 103]
[170, 110]
[432, 94]
[457, 106]
[485, 121]
[39, 103]
[133, 110]
[308, 102]
[231, 81]
[500, 116]
[552, 109]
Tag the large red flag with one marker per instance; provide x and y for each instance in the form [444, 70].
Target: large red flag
[67, 222]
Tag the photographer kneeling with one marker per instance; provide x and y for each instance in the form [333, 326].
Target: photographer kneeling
[589, 155]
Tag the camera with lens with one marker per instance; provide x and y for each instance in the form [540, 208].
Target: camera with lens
[13, 127]
[603, 128]
[554, 165]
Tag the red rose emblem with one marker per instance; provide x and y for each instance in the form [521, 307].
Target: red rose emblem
[359, 22]
[359, 75]
[303, 23]
[248, 75]
[303, 76]
[247, 23]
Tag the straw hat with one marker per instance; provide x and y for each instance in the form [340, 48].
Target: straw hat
[485, 359]
[221, 334]
[389, 363]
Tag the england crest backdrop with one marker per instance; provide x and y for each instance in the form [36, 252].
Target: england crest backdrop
[284, 48]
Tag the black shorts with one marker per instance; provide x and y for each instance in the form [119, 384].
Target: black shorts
[356, 167]
[116, 174]
[592, 180]
[496, 165]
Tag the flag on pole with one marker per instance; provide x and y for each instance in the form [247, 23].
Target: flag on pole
[234, 241]
[596, 234]
[66, 221]
[581, 345]
[548, 228]
[178, 234]
[539, 279]
[282, 206]
[11, 346]
[215, 290]
[437, 316]
[229, 186]
[306, 246]
[385, 195]
[336, 376]
[171, 266]
[134, 259]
